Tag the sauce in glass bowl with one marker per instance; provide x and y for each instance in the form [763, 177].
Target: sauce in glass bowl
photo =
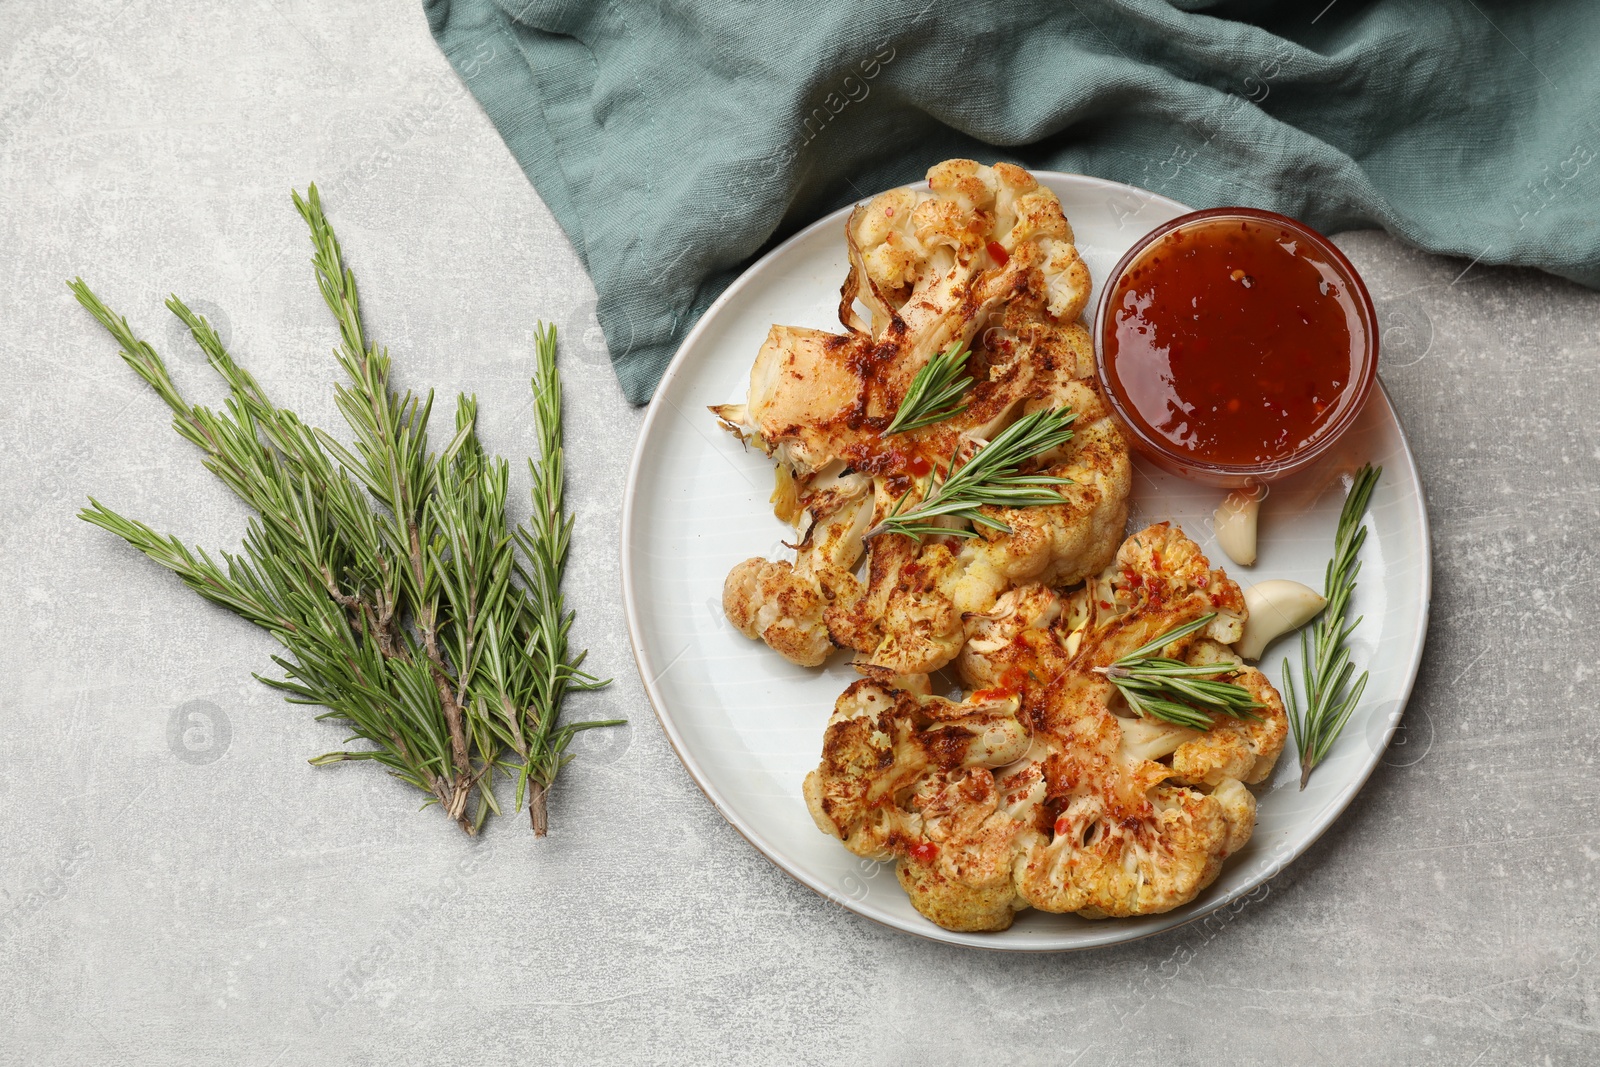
[1235, 345]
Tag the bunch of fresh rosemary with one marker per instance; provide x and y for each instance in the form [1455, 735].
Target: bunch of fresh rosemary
[386, 569]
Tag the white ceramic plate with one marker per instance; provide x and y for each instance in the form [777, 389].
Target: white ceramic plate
[748, 725]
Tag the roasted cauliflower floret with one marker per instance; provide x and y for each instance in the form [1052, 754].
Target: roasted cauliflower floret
[1245, 749]
[893, 253]
[984, 662]
[879, 746]
[961, 875]
[1125, 840]
[1160, 580]
[985, 215]
[785, 604]
[1160, 857]
[903, 620]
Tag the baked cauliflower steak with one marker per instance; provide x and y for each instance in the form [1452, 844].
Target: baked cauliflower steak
[982, 257]
[1042, 788]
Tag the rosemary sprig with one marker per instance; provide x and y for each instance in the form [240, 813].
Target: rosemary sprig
[1184, 694]
[1325, 667]
[384, 568]
[933, 392]
[544, 543]
[989, 478]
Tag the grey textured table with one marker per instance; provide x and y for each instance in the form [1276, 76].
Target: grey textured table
[180, 887]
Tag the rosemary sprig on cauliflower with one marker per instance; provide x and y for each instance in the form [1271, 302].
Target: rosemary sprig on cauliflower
[1171, 690]
[988, 479]
[935, 393]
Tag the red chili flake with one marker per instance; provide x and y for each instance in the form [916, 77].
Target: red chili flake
[1155, 559]
[925, 852]
[1203, 581]
[998, 252]
[1133, 578]
[889, 211]
[910, 570]
[1063, 826]
[1105, 605]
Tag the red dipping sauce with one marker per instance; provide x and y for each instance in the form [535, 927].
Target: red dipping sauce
[1235, 345]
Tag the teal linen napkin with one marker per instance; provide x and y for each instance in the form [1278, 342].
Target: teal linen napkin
[676, 139]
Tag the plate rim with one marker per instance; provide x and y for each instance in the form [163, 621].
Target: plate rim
[1339, 803]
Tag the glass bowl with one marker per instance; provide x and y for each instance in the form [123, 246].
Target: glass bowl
[1361, 321]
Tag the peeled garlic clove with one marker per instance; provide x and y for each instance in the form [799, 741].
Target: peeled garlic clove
[1235, 523]
[1275, 607]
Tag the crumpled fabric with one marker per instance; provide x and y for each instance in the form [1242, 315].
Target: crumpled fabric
[675, 140]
